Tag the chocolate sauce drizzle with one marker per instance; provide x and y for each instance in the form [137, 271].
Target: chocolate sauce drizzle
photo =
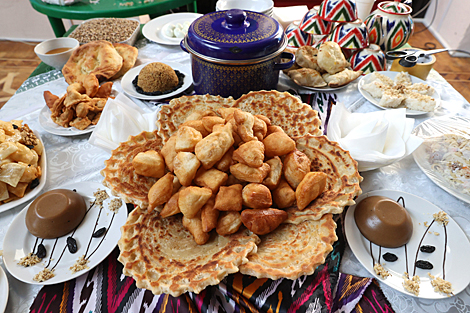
[73, 233]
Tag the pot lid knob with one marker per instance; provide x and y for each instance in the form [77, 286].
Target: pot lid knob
[235, 18]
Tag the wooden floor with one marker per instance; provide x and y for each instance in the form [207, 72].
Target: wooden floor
[18, 60]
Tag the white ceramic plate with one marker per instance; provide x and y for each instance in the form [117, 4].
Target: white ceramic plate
[3, 290]
[437, 127]
[153, 29]
[129, 88]
[457, 256]
[32, 193]
[49, 126]
[375, 101]
[19, 242]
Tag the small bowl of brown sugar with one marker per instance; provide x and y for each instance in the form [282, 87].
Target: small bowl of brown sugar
[56, 52]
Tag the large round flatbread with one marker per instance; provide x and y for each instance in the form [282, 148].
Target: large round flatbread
[282, 108]
[175, 113]
[342, 182]
[119, 174]
[291, 250]
[162, 256]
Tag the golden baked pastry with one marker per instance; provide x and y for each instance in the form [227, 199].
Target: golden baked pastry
[330, 58]
[91, 62]
[291, 251]
[307, 77]
[342, 182]
[129, 56]
[341, 78]
[162, 256]
[119, 174]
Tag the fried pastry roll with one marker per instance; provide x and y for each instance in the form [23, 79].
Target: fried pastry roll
[263, 221]
[310, 188]
[284, 195]
[228, 223]
[250, 153]
[149, 163]
[160, 192]
[192, 199]
[296, 166]
[250, 174]
[229, 198]
[185, 166]
[256, 196]
[278, 143]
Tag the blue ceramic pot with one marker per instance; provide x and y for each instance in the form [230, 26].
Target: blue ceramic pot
[234, 52]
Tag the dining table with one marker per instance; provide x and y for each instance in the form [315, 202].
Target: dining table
[73, 159]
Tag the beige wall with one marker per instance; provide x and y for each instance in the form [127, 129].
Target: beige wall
[19, 21]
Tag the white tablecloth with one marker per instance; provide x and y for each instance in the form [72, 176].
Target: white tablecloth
[72, 159]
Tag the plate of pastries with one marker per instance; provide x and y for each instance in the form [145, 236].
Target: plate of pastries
[323, 69]
[225, 186]
[89, 72]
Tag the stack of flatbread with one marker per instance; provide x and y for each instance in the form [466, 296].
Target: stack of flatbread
[322, 67]
[161, 254]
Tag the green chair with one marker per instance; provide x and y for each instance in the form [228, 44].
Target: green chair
[106, 8]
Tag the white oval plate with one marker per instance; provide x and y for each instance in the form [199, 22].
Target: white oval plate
[32, 193]
[3, 290]
[375, 101]
[49, 126]
[437, 127]
[458, 247]
[153, 29]
[19, 242]
[129, 88]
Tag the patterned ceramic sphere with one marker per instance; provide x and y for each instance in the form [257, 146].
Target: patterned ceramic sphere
[313, 24]
[368, 60]
[352, 35]
[296, 37]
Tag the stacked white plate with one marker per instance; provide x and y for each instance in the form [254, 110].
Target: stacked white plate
[261, 6]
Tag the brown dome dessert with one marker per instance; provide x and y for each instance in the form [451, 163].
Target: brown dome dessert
[384, 221]
[55, 213]
[157, 77]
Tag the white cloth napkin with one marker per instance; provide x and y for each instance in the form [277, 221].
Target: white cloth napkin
[373, 139]
[120, 119]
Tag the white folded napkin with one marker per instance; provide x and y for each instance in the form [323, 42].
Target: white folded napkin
[373, 139]
[120, 119]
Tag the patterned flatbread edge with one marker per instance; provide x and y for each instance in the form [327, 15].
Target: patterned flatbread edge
[343, 178]
[291, 250]
[147, 238]
[119, 174]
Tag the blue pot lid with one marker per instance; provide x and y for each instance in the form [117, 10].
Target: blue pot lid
[235, 35]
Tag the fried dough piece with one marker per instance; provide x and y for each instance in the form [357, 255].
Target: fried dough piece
[80, 122]
[192, 199]
[250, 174]
[90, 62]
[105, 90]
[226, 161]
[185, 166]
[330, 58]
[209, 215]
[232, 180]
[209, 121]
[250, 153]
[342, 78]
[228, 223]
[245, 122]
[213, 147]
[169, 153]
[307, 77]
[256, 196]
[263, 221]
[50, 98]
[149, 163]
[129, 56]
[194, 226]
[296, 166]
[160, 192]
[229, 198]
[284, 195]
[211, 178]
[226, 112]
[274, 129]
[306, 56]
[186, 139]
[171, 207]
[277, 144]
[260, 128]
[198, 115]
[18, 190]
[197, 125]
[274, 176]
[265, 119]
[310, 188]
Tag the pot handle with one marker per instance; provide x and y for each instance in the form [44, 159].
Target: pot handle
[283, 66]
[182, 46]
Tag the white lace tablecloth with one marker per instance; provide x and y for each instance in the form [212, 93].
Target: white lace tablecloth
[73, 159]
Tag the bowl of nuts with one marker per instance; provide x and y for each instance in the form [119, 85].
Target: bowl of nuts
[105, 29]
